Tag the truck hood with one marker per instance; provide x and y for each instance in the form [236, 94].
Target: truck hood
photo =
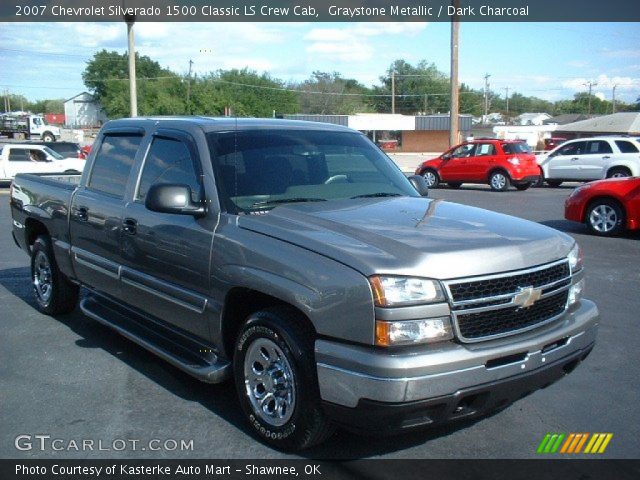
[412, 236]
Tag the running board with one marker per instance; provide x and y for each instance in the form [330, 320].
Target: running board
[210, 370]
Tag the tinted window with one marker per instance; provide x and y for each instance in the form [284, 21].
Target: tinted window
[599, 146]
[65, 149]
[169, 161]
[512, 148]
[113, 162]
[18, 155]
[575, 148]
[626, 147]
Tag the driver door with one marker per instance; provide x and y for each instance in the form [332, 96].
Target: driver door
[456, 167]
[565, 163]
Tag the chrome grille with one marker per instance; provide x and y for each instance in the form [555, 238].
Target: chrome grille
[486, 307]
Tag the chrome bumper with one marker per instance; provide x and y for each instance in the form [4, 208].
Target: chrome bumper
[349, 373]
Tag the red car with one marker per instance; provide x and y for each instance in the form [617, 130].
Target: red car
[500, 163]
[607, 207]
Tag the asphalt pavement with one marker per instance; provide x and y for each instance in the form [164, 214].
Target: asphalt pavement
[74, 380]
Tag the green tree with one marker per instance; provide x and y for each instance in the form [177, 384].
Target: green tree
[329, 93]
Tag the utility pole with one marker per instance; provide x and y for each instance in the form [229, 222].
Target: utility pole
[613, 99]
[189, 86]
[133, 92]
[454, 94]
[506, 96]
[486, 97]
[589, 84]
[393, 92]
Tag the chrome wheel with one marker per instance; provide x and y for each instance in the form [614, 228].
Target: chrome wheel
[603, 218]
[269, 382]
[42, 278]
[430, 178]
[498, 181]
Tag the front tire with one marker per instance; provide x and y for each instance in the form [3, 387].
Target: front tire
[48, 137]
[276, 379]
[605, 217]
[499, 181]
[54, 293]
[431, 177]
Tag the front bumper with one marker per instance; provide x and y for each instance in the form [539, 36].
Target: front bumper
[352, 376]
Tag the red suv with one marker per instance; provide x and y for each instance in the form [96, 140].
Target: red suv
[500, 163]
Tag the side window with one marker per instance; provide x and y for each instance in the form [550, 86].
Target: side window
[463, 151]
[18, 155]
[112, 165]
[626, 147]
[484, 149]
[599, 146]
[575, 148]
[169, 161]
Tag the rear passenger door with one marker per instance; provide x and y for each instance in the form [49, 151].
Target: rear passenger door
[595, 162]
[96, 211]
[166, 256]
[484, 158]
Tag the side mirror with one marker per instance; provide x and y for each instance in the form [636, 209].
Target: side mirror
[446, 156]
[172, 198]
[420, 184]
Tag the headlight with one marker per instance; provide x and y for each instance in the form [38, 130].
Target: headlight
[576, 259]
[402, 291]
[410, 332]
[575, 293]
[514, 161]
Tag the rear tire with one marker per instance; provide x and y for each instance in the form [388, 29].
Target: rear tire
[54, 293]
[605, 217]
[554, 183]
[499, 181]
[618, 172]
[276, 379]
[431, 177]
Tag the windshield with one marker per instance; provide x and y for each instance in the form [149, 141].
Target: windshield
[259, 170]
[52, 154]
[518, 147]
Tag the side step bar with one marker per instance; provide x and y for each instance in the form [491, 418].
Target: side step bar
[212, 370]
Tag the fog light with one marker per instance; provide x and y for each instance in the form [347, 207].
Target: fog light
[575, 293]
[413, 331]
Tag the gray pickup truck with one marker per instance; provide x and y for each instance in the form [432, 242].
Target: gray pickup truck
[297, 259]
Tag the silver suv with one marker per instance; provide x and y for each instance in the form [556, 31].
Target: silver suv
[587, 159]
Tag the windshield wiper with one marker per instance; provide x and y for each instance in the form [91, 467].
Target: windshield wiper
[287, 200]
[379, 194]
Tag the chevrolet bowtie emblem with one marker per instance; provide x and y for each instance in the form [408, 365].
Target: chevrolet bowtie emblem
[526, 296]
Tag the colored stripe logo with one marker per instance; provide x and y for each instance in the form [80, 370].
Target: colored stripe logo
[574, 443]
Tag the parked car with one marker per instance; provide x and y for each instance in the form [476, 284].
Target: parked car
[553, 142]
[18, 158]
[587, 159]
[66, 149]
[500, 163]
[607, 207]
[86, 150]
[296, 259]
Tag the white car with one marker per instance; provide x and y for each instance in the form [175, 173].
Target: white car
[26, 158]
[587, 159]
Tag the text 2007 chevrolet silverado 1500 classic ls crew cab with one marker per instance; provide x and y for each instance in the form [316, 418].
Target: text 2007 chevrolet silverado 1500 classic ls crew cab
[296, 258]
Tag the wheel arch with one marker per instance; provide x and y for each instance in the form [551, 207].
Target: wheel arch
[240, 302]
[622, 166]
[498, 169]
[33, 229]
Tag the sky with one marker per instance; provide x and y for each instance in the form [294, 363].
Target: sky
[552, 61]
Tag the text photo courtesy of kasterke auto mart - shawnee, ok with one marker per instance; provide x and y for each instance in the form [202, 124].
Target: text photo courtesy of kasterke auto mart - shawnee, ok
[324, 239]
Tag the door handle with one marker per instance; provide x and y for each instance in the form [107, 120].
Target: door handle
[82, 214]
[606, 157]
[130, 225]
[574, 159]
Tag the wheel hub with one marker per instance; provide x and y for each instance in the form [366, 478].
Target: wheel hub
[603, 218]
[42, 278]
[269, 381]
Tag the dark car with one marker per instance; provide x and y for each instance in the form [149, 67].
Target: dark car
[66, 149]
